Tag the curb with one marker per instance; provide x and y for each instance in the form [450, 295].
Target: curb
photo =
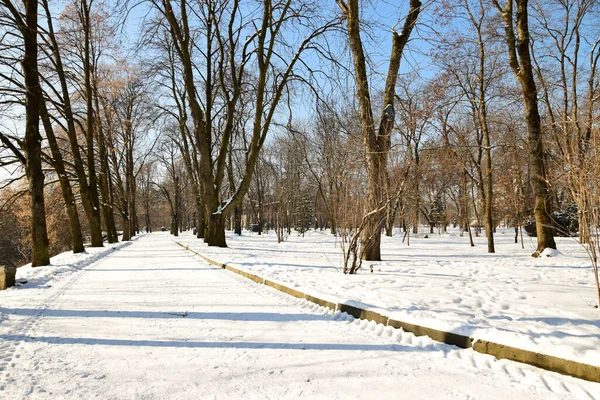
[500, 351]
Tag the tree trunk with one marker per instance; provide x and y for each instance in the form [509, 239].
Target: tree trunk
[174, 224]
[176, 207]
[391, 217]
[415, 228]
[200, 220]
[130, 183]
[488, 190]
[65, 185]
[216, 230]
[125, 224]
[94, 219]
[237, 215]
[377, 142]
[520, 62]
[33, 167]
[539, 182]
[370, 239]
[466, 211]
[104, 183]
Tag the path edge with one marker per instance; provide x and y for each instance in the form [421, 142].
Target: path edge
[500, 351]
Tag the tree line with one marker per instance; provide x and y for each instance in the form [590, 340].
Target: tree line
[295, 114]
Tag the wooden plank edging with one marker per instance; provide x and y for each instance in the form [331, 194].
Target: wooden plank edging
[550, 363]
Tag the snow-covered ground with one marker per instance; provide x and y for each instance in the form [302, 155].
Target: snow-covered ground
[542, 304]
[152, 321]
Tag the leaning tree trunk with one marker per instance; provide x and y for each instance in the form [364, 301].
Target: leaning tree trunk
[391, 217]
[93, 215]
[65, 185]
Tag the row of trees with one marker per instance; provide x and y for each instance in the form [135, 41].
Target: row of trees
[499, 125]
[218, 72]
[87, 117]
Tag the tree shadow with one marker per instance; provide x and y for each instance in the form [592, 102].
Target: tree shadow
[194, 268]
[242, 316]
[217, 345]
[555, 321]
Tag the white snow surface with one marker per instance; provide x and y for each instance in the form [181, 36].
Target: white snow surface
[541, 304]
[152, 321]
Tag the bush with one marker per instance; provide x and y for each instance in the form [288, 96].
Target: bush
[565, 223]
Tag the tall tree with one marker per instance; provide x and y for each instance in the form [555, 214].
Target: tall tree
[376, 141]
[519, 54]
[471, 55]
[85, 14]
[12, 75]
[563, 74]
[227, 68]
[64, 106]
[27, 25]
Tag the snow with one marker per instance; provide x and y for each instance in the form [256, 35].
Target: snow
[541, 304]
[548, 252]
[151, 321]
[222, 206]
[64, 264]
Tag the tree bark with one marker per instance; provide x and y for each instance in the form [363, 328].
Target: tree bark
[104, 181]
[520, 62]
[94, 217]
[483, 119]
[27, 24]
[65, 185]
[376, 143]
[216, 228]
[33, 167]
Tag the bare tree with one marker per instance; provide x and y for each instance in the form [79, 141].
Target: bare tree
[519, 54]
[31, 157]
[227, 61]
[377, 142]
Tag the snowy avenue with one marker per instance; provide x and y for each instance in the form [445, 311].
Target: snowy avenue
[151, 320]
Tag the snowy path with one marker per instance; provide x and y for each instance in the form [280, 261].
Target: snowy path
[151, 321]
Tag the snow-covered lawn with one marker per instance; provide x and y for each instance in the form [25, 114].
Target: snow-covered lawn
[152, 321]
[543, 304]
